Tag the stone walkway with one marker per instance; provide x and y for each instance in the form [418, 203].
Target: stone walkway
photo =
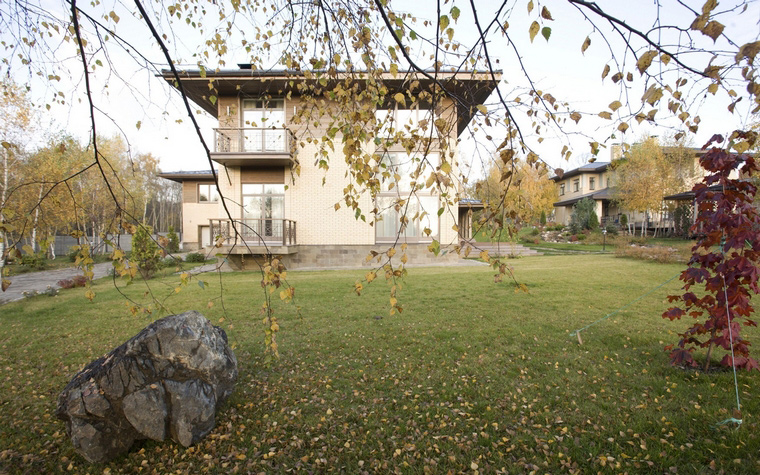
[40, 281]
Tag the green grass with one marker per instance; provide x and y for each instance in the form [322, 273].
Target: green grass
[471, 373]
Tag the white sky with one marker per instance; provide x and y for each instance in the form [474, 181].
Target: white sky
[556, 66]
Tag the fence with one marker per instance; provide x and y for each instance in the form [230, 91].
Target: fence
[124, 241]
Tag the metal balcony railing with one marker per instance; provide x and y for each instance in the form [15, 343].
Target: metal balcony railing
[253, 140]
[253, 232]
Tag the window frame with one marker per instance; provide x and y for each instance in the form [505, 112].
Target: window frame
[213, 193]
[414, 200]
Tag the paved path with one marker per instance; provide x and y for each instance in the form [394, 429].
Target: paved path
[40, 281]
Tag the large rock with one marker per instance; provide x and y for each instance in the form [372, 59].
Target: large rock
[166, 381]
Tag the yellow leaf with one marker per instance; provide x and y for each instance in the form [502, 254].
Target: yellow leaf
[623, 127]
[585, 46]
[89, 294]
[483, 109]
[530, 6]
[652, 95]
[712, 88]
[615, 105]
[645, 60]
[606, 71]
[713, 29]
[484, 255]
[605, 115]
[545, 14]
[533, 30]
[391, 252]
[400, 98]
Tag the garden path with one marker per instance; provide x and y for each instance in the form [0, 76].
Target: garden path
[40, 281]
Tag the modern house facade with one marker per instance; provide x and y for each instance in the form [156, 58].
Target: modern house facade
[277, 196]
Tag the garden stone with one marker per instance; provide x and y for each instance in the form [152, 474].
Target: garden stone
[166, 381]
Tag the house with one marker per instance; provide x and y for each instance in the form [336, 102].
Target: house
[275, 196]
[597, 181]
[591, 180]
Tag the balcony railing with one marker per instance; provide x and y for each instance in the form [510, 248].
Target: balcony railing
[253, 232]
[253, 140]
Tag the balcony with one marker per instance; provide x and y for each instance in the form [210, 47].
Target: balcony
[274, 235]
[253, 147]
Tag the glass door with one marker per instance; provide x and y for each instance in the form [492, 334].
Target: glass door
[263, 210]
[263, 125]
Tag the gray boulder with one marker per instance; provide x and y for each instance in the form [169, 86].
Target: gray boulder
[166, 381]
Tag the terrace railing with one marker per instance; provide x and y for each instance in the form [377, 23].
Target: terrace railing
[253, 140]
[253, 232]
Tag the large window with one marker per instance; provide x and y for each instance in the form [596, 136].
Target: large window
[208, 193]
[401, 212]
[403, 120]
[264, 121]
[263, 210]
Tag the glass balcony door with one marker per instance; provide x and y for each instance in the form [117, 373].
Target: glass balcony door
[263, 210]
[264, 123]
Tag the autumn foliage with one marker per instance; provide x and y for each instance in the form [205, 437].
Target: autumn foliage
[724, 259]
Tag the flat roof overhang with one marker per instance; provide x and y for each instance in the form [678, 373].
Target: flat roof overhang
[181, 176]
[467, 89]
[247, 159]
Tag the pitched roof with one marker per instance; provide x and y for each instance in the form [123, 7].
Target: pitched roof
[604, 194]
[594, 167]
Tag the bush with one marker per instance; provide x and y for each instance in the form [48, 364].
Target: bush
[195, 257]
[593, 221]
[535, 232]
[77, 281]
[612, 230]
[584, 216]
[170, 262]
[173, 240]
[660, 254]
[34, 261]
[145, 251]
[542, 219]
[581, 237]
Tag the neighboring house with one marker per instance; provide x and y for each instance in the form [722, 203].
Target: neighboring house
[597, 181]
[283, 203]
[588, 181]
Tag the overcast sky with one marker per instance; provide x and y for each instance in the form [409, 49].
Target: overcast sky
[556, 66]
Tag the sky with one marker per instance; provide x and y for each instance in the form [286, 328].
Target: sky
[132, 95]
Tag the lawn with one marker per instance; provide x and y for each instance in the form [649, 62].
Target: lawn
[472, 376]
